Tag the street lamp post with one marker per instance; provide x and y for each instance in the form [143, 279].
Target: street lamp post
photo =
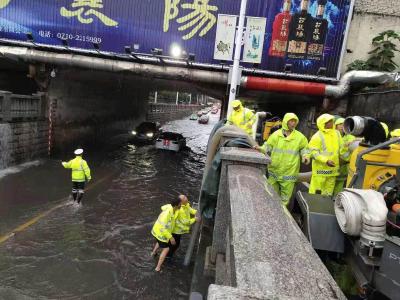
[236, 60]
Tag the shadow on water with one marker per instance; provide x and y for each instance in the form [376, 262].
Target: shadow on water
[100, 250]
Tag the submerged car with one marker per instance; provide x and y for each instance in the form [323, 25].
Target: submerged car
[193, 117]
[146, 132]
[203, 119]
[171, 141]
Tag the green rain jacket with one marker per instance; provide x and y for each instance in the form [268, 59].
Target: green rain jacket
[326, 144]
[184, 219]
[80, 169]
[285, 151]
[242, 118]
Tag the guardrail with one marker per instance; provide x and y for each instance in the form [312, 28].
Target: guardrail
[258, 251]
[20, 107]
[167, 108]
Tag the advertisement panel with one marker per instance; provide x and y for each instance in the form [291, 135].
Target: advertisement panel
[254, 40]
[301, 36]
[225, 37]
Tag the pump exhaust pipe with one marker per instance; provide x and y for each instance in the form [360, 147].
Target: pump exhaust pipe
[370, 129]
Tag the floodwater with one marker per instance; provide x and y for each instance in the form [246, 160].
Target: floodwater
[100, 250]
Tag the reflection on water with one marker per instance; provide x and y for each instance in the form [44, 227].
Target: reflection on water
[101, 250]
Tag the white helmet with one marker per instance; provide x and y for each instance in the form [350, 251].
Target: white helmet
[78, 151]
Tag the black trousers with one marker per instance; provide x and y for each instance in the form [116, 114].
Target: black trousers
[78, 190]
[175, 247]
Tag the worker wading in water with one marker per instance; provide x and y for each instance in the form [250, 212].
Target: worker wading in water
[241, 117]
[326, 149]
[162, 230]
[80, 174]
[286, 147]
[186, 217]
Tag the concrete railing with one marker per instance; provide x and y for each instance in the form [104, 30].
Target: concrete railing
[21, 107]
[258, 250]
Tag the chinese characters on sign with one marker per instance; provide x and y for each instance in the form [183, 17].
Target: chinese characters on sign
[198, 17]
[254, 42]
[225, 37]
[85, 9]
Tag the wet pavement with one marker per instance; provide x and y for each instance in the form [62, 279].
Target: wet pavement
[100, 250]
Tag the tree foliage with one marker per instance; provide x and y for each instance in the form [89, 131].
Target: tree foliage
[381, 57]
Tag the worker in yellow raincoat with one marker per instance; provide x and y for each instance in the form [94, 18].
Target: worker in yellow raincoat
[344, 165]
[185, 219]
[241, 117]
[162, 230]
[325, 149]
[286, 147]
[80, 174]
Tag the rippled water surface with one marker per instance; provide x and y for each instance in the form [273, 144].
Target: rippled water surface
[101, 249]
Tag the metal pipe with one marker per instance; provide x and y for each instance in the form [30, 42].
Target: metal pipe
[283, 85]
[109, 65]
[175, 70]
[364, 77]
[318, 89]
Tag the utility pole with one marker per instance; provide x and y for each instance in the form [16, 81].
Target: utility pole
[236, 60]
[177, 98]
[155, 96]
[190, 98]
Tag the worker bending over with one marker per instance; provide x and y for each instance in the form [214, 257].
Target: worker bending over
[162, 230]
[186, 217]
[241, 117]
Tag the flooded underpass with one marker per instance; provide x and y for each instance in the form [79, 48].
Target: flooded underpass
[51, 249]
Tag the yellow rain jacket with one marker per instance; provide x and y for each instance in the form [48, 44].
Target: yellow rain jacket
[395, 133]
[243, 118]
[386, 128]
[80, 169]
[184, 219]
[326, 144]
[285, 151]
[163, 227]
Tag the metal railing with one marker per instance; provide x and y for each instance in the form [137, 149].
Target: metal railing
[170, 108]
[20, 107]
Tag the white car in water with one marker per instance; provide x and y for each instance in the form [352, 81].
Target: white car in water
[171, 141]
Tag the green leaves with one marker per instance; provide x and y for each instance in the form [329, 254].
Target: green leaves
[381, 57]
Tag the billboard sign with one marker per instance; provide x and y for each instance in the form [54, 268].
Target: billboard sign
[305, 36]
[254, 40]
[225, 37]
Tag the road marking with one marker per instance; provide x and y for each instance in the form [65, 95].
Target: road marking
[40, 216]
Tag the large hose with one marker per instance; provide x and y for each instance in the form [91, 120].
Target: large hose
[213, 148]
[362, 213]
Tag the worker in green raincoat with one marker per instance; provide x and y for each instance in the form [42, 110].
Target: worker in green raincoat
[344, 165]
[286, 147]
[326, 149]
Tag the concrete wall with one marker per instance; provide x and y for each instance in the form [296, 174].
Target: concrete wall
[382, 105]
[22, 141]
[90, 106]
[371, 17]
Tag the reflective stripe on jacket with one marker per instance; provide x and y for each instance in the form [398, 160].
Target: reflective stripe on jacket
[183, 220]
[162, 228]
[285, 152]
[326, 144]
[80, 169]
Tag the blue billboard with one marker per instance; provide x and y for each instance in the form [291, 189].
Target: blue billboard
[301, 36]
